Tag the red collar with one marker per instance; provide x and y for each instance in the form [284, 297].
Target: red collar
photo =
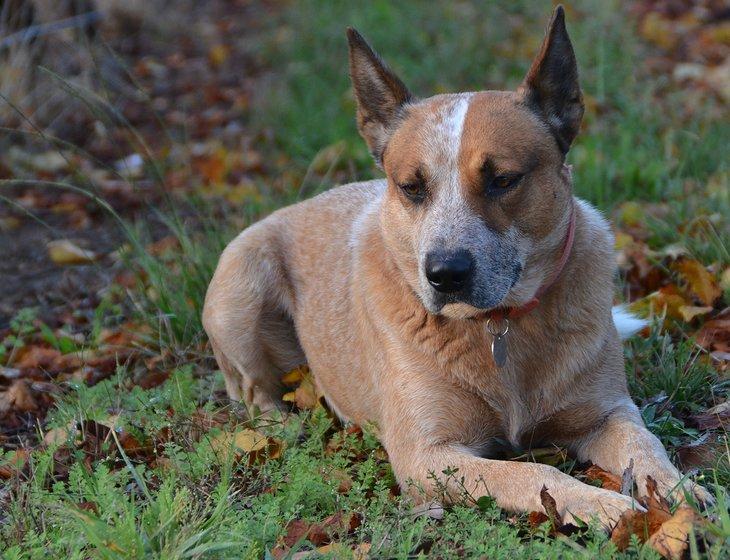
[515, 312]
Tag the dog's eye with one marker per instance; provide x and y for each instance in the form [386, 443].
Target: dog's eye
[501, 182]
[415, 190]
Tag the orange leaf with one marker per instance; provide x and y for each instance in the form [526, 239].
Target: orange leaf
[19, 397]
[609, 481]
[306, 394]
[672, 538]
[715, 334]
[631, 522]
[689, 312]
[700, 281]
[14, 463]
[667, 300]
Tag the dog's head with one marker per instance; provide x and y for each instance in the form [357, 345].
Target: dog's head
[478, 199]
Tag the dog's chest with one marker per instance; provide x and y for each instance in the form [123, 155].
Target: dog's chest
[523, 394]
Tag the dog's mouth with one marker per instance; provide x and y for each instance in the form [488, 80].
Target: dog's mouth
[476, 298]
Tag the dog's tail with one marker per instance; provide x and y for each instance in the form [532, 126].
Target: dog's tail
[627, 324]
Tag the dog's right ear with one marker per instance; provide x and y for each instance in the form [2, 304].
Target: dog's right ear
[380, 95]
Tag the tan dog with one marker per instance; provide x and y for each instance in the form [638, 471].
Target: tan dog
[396, 291]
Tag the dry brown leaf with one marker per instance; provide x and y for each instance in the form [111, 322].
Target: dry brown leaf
[66, 252]
[713, 418]
[671, 540]
[700, 282]
[609, 481]
[322, 533]
[551, 508]
[212, 168]
[690, 312]
[343, 480]
[18, 398]
[59, 435]
[306, 394]
[37, 357]
[715, 334]
[537, 518]
[255, 445]
[163, 245]
[14, 463]
[631, 522]
[658, 30]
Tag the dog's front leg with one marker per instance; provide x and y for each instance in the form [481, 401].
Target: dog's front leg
[623, 437]
[426, 445]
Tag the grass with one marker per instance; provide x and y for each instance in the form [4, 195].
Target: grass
[147, 477]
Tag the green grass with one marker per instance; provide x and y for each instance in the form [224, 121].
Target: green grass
[197, 501]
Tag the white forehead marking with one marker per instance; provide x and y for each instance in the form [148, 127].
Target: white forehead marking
[445, 131]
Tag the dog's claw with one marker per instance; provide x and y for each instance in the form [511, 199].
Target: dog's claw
[601, 505]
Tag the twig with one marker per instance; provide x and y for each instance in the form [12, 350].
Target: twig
[627, 478]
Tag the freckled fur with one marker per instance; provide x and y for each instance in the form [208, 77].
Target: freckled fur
[337, 281]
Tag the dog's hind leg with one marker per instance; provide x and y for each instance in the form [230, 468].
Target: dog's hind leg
[247, 318]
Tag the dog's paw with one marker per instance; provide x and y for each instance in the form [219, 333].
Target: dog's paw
[597, 504]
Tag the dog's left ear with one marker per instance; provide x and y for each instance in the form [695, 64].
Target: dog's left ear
[551, 86]
[380, 95]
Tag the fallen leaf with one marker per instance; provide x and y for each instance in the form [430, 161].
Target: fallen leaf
[671, 540]
[18, 398]
[690, 312]
[212, 167]
[295, 376]
[218, 54]
[632, 214]
[306, 394]
[665, 301]
[609, 481]
[713, 418]
[631, 522]
[246, 441]
[321, 533]
[36, 356]
[163, 245]
[715, 334]
[59, 435]
[701, 282]
[66, 252]
[699, 454]
[551, 508]
[537, 518]
[343, 480]
[13, 463]
[658, 30]
[654, 501]
[642, 524]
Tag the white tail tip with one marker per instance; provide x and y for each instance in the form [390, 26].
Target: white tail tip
[627, 324]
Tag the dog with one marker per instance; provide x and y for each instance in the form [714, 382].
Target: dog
[463, 300]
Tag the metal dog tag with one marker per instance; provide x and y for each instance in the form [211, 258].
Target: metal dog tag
[499, 341]
[499, 350]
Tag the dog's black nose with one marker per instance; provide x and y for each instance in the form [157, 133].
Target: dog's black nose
[448, 271]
